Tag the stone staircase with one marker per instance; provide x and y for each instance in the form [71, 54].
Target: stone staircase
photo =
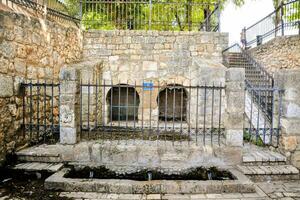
[261, 164]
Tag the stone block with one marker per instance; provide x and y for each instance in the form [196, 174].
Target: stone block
[68, 74]
[290, 126]
[292, 110]
[234, 137]
[7, 86]
[235, 75]
[295, 159]
[289, 143]
[68, 135]
[149, 66]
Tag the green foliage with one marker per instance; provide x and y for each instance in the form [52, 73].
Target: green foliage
[95, 20]
[249, 138]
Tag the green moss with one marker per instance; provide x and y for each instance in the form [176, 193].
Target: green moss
[253, 139]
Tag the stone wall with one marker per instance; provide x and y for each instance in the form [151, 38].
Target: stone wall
[163, 58]
[281, 56]
[279, 53]
[30, 48]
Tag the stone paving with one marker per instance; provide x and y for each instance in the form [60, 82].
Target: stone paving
[283, 190]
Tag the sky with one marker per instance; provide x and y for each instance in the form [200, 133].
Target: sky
[234, 18]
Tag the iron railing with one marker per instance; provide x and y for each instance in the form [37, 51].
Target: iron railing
[262, 98]
[183, 15]
[285, 20]
[53, 8]
[40, 112]
[152, 112]
[262, 125]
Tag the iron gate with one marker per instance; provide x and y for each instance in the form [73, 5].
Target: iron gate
[151, 111]
[40, 112]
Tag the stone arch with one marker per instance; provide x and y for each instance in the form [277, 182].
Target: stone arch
[172, 101]
[123, 103]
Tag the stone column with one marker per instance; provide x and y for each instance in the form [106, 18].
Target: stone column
[290, 122]
[235, 103]
[69, 90]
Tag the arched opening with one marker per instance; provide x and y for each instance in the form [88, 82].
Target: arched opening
[123, 102]
[172, 102]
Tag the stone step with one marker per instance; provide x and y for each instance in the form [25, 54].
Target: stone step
[37, 166]
[263, 157]
[39, 154]
[268, 169]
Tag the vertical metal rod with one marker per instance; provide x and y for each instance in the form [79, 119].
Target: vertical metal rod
[150, 119]
[272, 116]
[88, 117]
[251, 111]
[31, 109]
[143, 97]
[158, 105]
[127, 107]
[134, 107]
[38, 110]
[96, 109]
[174, 111]
[45, 112]
[212, 114]
[166, 107]
[220, 114]
[52, 108]
[111, 108]
[181, 110]
[104, 108]
[119, 104]
[279, 116]
[204, 117]
[189, 124]
[266, 115]
[81, 108]
[150, 14]
[58, 85]
[197, 112]
[23, 87]
[258, 115]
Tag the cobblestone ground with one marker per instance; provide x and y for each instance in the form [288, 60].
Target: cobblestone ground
[283, 190]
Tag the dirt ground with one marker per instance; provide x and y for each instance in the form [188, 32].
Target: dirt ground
[23, 185]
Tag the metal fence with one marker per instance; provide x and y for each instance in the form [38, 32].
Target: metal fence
[40, 112]
[52, 8]
[285, 20]
[262, 99]
[262, 117]
[152, 112]
[183, 15]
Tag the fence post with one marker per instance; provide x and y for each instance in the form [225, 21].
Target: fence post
[281, 18]
[69, 87]
[80, 9]
[150, 14]
[235, 103]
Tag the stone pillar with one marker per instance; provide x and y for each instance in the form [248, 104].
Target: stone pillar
[290, 122]
[69, 90]
[235, 103]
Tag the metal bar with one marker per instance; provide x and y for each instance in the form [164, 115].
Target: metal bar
[189, 123]
[127, 105]
[52, 108]
[31, 110]
[104, 108]
[150, 113]
[88, 114]
[181, 110]
[212, 116]
[279, 116]
[134, 108]
[197, 108]
[111, 108]
[258, 115]
[174, 111]
[119, 105]
[24, 109]
[158, 106]
[45, 121]
[38, 112]
[81, 108]
[204, 117]
[96, 109]
[220, 115]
